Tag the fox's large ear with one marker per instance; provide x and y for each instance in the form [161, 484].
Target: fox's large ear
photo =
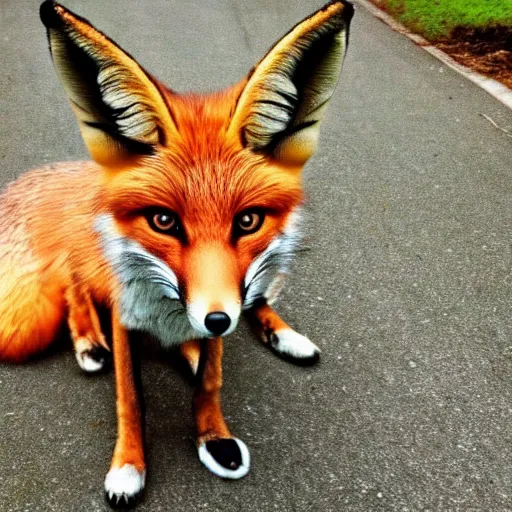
[282, 103]
[120, 110]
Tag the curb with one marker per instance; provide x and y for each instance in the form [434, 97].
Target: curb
[493, 87]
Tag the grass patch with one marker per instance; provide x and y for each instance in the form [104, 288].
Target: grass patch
[437, 19]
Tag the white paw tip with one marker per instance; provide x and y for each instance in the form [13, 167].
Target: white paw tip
[88, 364]
[84, 353]
[125, 482]
[290, 342]
[218, 469]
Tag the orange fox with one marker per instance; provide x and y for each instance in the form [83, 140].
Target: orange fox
[187, 216]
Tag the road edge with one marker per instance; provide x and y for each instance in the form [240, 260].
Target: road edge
[496, 89]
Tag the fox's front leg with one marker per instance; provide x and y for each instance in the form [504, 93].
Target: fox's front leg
[280, 337]
[91, 349]
[125, 480]
[224, 455]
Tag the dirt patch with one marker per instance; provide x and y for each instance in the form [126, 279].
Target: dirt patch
[487, 51]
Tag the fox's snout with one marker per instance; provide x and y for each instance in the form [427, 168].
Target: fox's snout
[217, 322]
[212, 286]
[214, 323]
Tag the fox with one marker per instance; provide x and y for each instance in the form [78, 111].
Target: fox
[186, 218]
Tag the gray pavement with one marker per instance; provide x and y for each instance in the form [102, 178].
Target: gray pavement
[406, 288]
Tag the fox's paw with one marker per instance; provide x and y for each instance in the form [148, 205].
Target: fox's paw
[124, 485]
[294, 347]
[90, 357]
[227, 458]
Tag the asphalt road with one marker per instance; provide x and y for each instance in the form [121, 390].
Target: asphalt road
[406, 288]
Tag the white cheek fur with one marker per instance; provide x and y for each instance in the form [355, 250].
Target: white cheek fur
[149, 299]
[265, 276]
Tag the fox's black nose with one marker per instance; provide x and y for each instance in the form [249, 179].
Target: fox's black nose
[217, 322]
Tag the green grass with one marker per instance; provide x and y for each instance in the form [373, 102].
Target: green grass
[436, 19]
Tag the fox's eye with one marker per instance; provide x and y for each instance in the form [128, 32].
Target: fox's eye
[164, 222]
[249, 222]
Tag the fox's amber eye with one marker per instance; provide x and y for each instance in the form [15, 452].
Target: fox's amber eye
[164, 222]
[249, 222]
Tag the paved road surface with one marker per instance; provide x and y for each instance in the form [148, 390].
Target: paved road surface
[406, 288]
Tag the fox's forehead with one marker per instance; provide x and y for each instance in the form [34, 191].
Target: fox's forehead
[216, 183]
[203, 171]
[202, 118]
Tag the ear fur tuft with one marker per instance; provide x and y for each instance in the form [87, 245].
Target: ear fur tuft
[280, 109]
[120, 109]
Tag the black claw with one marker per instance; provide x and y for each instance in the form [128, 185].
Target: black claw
[226, 452]
[123, 501]
[307, 361]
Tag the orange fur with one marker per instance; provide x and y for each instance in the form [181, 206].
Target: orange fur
[191, 352]
[209, 419]
[266, 321]
[129, 447]
[37, 257]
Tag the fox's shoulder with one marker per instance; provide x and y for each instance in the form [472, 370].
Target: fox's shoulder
[56, 184]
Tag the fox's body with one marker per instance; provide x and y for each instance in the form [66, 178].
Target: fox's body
[69, 235]
[186, 217]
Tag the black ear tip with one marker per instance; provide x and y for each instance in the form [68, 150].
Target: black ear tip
[348, 10]
[49, 15]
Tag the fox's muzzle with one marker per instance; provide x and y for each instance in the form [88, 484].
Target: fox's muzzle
[213, 290]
